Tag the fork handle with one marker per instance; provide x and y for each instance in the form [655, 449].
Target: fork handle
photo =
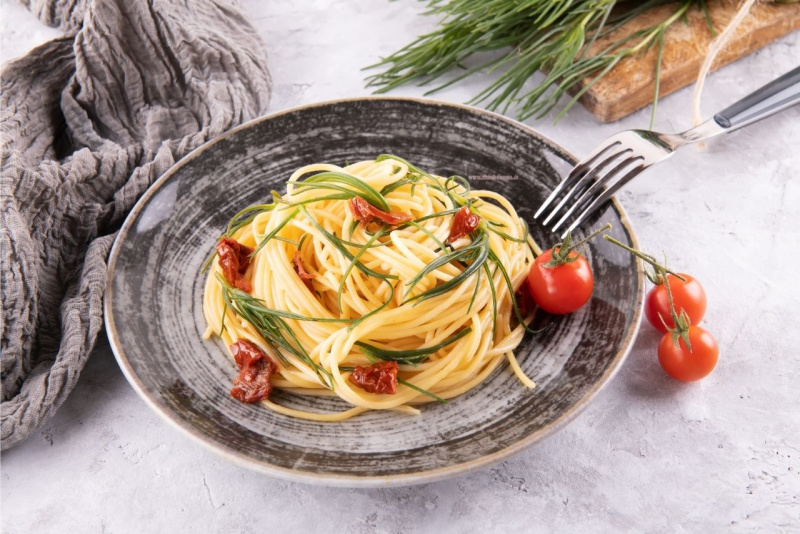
[773, 97]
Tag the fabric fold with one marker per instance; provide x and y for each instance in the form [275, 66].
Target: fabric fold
[89, 121]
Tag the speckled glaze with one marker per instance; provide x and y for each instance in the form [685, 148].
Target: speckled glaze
[154, 319]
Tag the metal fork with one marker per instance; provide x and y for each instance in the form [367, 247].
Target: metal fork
[622, 157]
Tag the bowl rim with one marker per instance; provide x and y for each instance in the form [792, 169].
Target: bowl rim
[338, 479]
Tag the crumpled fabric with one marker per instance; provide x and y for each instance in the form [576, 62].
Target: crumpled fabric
[89, 121]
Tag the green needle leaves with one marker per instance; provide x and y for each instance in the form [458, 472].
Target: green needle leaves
[336, 181]
[409, 357]
[271, 326]
[475, 253]
[521, 39]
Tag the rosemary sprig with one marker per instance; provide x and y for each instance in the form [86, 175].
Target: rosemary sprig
[355, 259]
[432, 179]
[475, 291]
[510, 286]
[493, 292]
[460, 181]
[411, 167]
[273, 329]
[429, 234]
[341, 247]
[388, 188]
[337, 180]
[418, 389]
[429, 216]
[337, 196]
[522, 39]
[523, 239]
[274, 232]
[257, 305]
[409, 357]
[476, 253]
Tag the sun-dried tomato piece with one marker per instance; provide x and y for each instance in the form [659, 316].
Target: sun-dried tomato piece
[300, 269]
[366, 212]
[464, 223]
[234, 258]
[255, 372]
[378, 378]
[524, 299]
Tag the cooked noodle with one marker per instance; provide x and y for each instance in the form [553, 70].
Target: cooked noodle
[402, 252]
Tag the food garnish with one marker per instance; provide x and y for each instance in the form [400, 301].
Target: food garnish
[234, 259]
[379, 377]
[255, 371]
[365, 212]
[300, 269]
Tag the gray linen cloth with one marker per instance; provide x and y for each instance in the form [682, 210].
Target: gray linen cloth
[89, 121]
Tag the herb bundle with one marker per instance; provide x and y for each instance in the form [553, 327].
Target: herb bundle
[526, 36]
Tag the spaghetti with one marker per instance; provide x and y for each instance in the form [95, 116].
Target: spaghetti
[375, 282]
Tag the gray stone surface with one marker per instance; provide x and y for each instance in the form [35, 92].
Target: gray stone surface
[650, 454]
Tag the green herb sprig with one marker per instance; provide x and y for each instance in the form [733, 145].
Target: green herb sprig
[524, 37]
[475, 253]
[412, 356]
[473, 257]
[354, 259]
[336, 181]
[271, 326]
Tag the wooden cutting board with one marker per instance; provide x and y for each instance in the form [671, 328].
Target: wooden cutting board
[630, 85]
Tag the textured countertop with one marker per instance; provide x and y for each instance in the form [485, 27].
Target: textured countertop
[649, 454]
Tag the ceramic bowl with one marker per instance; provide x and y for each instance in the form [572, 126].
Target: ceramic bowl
[154, 318]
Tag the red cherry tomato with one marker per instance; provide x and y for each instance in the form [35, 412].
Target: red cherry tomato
[687, 366]
[688, 295]
[561, 289]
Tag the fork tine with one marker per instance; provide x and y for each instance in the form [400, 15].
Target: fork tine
[603, 197]
[575, 174]
[585, 183]
[597, 186]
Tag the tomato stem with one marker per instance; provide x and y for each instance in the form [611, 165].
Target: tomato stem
[658, 277]
[682, 321]
[659, 271]
[561, 251]
[591, 236]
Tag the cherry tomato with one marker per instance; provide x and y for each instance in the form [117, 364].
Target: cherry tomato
[687, 366]
[688, 295]
[561, 289]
